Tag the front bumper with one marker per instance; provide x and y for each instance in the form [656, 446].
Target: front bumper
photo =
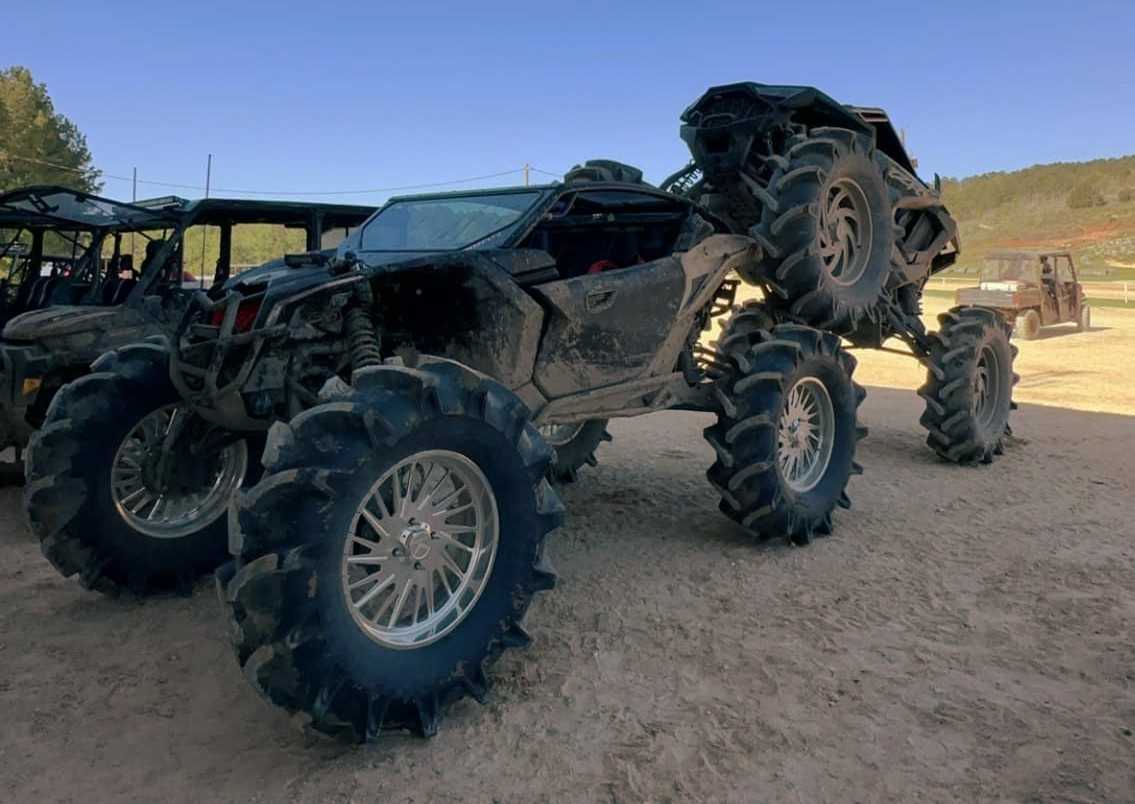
[22, 373]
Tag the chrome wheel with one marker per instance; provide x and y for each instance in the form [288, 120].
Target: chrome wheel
[805, 434]
[845, 232]
[420, 549]
[165, 510]
[559, 434]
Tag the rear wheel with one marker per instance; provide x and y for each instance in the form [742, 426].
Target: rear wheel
[118, 491]
[389, 555]
[1028, 325]
[969, 385]
[786, 432]
[829, 231]
[575, 446]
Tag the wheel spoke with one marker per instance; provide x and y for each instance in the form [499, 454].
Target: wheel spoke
[440, 503]
[370, 559]
[396, 612]
[431, 593]
[157, 504]
[452, 542]
[417, 605]
[398, 502]
[448, 562]
[375, 524]
[449, 513]
[147, 498]
[386, 582]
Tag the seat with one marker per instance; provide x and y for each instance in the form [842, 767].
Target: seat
[623, 253]
[109, 288]
[35, 293]
[123, 290]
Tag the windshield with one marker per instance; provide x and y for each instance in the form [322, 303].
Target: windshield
[1006, 269]
[444, 224]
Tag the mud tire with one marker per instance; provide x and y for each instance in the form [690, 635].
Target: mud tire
[1028, 325]
[749, 472]
[577, 451]
[969, 386]
[296, 637]
[828, 230]
[68, 502]
[746, 320]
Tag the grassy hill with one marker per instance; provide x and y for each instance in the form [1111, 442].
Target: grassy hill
[1086, 207]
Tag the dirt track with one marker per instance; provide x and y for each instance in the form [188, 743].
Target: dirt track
[964, 635]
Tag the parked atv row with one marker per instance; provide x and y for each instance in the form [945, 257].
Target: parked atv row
[386, 425]
[90, 274]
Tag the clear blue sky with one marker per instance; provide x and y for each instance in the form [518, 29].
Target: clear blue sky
[329, 95]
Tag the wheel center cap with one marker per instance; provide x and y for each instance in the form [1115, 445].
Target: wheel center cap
[416, 540]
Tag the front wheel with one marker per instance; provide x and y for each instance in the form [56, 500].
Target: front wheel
[120, 492]
[1028, 325]
[389, 555]
[786, 431]
[1084, 322]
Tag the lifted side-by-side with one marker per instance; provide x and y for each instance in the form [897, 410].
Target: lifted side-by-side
[413, 398]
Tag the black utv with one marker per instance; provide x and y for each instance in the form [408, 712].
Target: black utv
[413, 399]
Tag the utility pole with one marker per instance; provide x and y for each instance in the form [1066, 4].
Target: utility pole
[205, 229]
[526, 168]
[133, 198]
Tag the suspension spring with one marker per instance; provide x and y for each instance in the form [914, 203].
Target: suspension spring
[362, 338]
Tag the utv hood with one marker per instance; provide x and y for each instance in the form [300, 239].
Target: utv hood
[56, 322]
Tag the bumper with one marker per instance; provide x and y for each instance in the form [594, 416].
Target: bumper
[22, 370]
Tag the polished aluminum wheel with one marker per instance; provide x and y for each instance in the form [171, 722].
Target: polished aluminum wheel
[805, 434]
[845, 232]
[420, 549]
[171, 510]
[559, 434]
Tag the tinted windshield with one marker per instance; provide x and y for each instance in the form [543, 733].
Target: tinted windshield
[444, 224]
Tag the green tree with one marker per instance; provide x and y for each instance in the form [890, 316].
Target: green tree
[38, 145]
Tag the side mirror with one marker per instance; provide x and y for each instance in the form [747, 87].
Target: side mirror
[345, 263]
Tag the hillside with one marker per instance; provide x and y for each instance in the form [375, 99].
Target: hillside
[1086, 207]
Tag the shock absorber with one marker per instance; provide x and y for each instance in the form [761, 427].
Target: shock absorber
[362, 339]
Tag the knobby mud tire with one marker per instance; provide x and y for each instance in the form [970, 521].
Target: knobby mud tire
[969, 386]
[828, 197]
[293, 627]
[68, 501]
[577, 451]
[749, 474]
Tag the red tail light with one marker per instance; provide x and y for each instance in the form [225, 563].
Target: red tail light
[245, 316]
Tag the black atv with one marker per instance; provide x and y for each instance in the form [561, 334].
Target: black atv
[94, 274]
[407, 390]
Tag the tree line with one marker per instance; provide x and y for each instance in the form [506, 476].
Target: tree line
[1068, 185]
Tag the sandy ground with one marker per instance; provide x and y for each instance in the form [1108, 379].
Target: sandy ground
[964, 635]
